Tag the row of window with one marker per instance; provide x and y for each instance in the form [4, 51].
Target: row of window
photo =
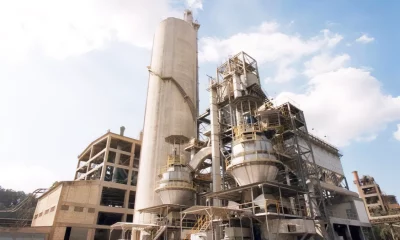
[77, 209]
[45, 212]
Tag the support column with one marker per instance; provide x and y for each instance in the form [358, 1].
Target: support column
[348, 234]
[103, 170]
[215, 144]
[362, 233]
[90, 234]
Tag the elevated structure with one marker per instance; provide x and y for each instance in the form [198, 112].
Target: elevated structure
[381, 208]
[170, 118]
[252, 172]
[103, 192]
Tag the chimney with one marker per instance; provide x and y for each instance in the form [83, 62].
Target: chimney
[141, 136]
[188, 16]
[121, 130]
[356, 178]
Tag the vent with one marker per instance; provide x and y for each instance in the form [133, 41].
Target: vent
[64, 207]
[91, 210]
[78, 209]
[291, 228]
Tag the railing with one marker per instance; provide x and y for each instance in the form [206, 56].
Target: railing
[271, 206]
[178, 184]
[201, 225]
[172, 160]
[239, 130]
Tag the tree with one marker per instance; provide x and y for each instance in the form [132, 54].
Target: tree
[10, 198]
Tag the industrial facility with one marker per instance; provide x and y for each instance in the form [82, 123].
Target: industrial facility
[245, 168]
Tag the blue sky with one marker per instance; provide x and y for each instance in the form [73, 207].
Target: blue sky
[70, 70]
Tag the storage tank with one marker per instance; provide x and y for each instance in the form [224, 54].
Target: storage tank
[171, 107]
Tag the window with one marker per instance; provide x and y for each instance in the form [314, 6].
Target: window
[52, 209]
[117, 175]
[46, 212]
[136, 163]
[78, 209]
[64, 207]
[35, 216]
[112, 197]
[132, 196]
[111, 156]
[124, 159]
[40, 214]
[91, 210]
[134, 178]
[106, 218]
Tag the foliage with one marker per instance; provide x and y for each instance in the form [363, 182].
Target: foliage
[10, 198]
[382, 232]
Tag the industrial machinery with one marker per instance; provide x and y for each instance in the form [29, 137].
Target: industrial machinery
[244, 169]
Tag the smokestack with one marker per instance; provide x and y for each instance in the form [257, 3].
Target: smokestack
[356, 178]
[141, 136]
[121, 130]
[188, 16]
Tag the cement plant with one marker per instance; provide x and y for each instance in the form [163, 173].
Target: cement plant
[245, 168]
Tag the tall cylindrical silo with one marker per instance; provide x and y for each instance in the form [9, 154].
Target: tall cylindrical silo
[171, 107]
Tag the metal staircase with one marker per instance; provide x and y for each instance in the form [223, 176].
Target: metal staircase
[159, 232]
[202, 225]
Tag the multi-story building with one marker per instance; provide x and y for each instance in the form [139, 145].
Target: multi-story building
[381, 208]
[102, 193]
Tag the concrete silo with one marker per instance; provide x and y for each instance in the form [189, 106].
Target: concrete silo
[171, 112]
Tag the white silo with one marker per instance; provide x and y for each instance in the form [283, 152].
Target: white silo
[171, 107]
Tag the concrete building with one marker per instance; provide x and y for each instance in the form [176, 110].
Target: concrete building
[102, 193]
[381, 208]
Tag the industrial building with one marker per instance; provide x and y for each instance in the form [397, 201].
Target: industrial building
[102, 193]
[381, 208]
[244, 169]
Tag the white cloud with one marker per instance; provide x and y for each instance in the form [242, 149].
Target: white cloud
[324, 63]
[365, 39]
[194, 4]
[68, 28]
[344, 103]
[396, 134]
[267, 43]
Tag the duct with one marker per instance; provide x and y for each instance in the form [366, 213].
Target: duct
[215, 144]
[337, 189]
[199, 157]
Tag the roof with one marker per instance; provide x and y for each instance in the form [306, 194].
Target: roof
[163, 208]
[52, 188]
[230, 193]
[105, 135]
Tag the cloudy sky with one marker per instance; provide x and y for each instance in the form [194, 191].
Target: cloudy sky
[71, 70]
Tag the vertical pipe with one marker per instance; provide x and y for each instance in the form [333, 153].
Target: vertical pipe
[215, 143]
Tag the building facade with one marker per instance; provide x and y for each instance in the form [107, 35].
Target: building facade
[103, 192]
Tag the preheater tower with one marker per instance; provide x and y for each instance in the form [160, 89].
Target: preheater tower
[171, 107]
